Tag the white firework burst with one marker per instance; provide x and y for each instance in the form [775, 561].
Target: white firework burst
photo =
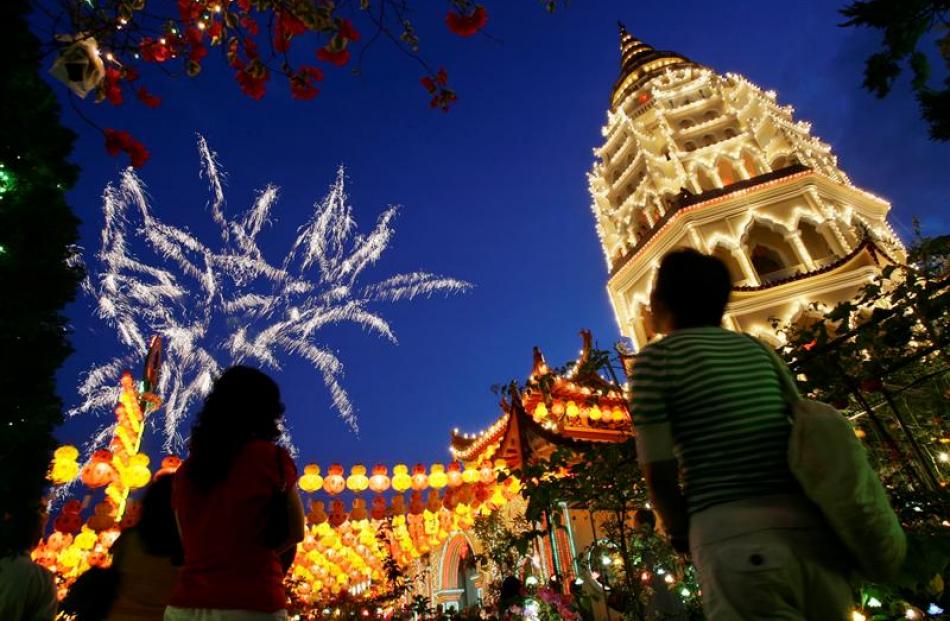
[191, 293]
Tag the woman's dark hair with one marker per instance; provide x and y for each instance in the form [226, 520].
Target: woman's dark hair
[243, 405]
[693, 288]
[157, 527]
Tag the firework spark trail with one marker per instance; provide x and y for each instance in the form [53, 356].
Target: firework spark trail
[188, 292]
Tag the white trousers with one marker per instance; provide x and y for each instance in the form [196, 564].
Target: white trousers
[775, 561]
[212, 614]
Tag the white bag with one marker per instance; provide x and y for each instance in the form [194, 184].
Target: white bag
[832, 466]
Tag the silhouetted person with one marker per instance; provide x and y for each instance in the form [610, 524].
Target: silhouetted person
[145, 558]
[708, 405]
[509, 595]
[27, 592]
[227, 495]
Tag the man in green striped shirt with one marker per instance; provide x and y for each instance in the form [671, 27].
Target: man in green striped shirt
[709, 413]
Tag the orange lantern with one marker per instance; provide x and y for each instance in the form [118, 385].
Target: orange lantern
[557, 408]
[454, 475]
[379, 482]
[437, 477]
[310, 481]
[419, 479]
[170, 465]
[486, 473]
[99, 471]
[357, 481]
[334, 483]
[401, 480]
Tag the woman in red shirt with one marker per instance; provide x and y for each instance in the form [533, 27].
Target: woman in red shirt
[225, 498]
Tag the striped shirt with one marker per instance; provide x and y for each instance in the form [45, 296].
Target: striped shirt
[712, 399]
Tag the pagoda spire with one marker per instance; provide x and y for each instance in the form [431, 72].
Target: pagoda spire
[639, 61]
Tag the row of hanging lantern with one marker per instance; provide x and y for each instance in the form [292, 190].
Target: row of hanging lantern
[345, 551]
[573, 412]
[379, 480]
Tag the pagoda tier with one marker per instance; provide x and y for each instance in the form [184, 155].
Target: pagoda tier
[554, 409]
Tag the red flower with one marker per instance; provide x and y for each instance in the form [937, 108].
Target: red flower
[215, 30]
[153, 51]
[190, 10]
[442, 77]
[250, 25]
[244, 5]
[194, 36]
[113, 92]
[150, 100]
[122, 141]
[467, 25]
[287, 27]
[302, 83]
[131, 74]
[346, 30]
[428, 83]
[197, 52]
[254, 86]
[334, 57]
[442, 96]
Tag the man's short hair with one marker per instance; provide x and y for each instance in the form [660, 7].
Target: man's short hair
[693, 287]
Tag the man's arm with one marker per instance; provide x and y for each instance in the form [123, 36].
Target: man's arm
[662, 479]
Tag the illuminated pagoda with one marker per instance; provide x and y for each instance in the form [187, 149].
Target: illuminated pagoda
[693, 158]
[571, 409]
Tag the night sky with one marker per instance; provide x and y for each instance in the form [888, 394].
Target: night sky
[494, 192]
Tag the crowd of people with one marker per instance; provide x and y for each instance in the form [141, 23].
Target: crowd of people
[710, 408]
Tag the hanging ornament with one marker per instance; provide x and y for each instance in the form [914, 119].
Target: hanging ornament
[79, 65]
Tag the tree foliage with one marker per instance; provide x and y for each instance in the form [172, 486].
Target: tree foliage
[37, 231]
[904, 24]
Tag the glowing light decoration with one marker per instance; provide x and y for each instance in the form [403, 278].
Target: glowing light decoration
[216, 305]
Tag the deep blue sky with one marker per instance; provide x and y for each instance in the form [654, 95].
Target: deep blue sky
[494, 192]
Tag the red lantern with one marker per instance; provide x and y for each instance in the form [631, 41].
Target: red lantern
[337, 512]
[378, 510]
[416, 504]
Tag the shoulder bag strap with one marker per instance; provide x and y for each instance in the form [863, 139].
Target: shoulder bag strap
[786, 381]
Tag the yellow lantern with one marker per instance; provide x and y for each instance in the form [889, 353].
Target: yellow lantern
[572, 410]
[595, 413]
[540, 412]
[137, 475]
[470, 474]
[67, 452]
[437, 477]
[357, 481]
[379, 482]
[401, 480]
[86, 539]
[310, 481]
[63, 471]
[618, 415]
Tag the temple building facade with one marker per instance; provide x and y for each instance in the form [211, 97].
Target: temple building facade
[694, 158]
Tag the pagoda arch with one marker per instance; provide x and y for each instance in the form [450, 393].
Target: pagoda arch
[768, 249]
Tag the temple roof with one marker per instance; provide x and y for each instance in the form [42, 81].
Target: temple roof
[639, 61]
[574, 406]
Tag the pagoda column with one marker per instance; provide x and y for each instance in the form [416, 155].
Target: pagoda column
[794, 239]
[745, 265]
